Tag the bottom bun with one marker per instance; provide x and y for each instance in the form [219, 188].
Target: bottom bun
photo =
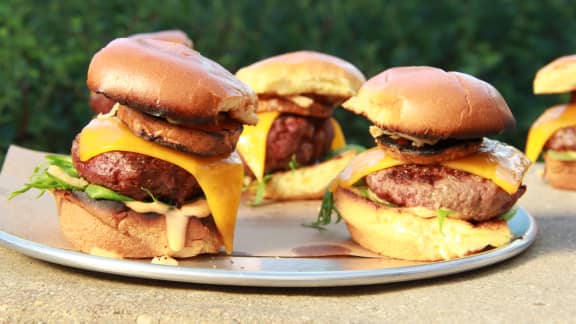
[108, 227]
[414, 233]
[560, 174]
[309, 182]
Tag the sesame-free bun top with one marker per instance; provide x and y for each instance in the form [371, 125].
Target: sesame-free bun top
[170, 80]
[172, 35]
[558, 76]
[428, 102]
[303, 72]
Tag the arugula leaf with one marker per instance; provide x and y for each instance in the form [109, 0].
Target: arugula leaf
[367, 193]
[325, 214]
[63, 162]
[293, 164]
[154, 199]
[509, 214]
[100, 192]
[259, 197]
[42, 180]
[442, 213]
[562, 155]
[349, 147]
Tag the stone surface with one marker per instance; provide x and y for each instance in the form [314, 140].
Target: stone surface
[536, 286]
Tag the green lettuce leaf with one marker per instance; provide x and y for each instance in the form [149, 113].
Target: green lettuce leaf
[100, 192]
[442, 213]
[367, 193]
[293, 164]
[259, 197]
[325, 213]
[562, 155]
[42, 180]
[64, 162]
[509, 214]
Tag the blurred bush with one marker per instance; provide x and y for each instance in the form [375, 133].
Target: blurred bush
[46, 47]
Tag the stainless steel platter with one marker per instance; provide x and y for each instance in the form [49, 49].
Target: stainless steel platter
[282, 272]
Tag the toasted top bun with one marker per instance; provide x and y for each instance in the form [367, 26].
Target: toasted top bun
[558, 76]
[301, 73]
[174, 35]
[428, 102]
[169, 80]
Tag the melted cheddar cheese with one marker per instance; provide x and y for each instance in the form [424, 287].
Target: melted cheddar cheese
[252, 142]
[220, 178]
[546, 125]
[498, 162]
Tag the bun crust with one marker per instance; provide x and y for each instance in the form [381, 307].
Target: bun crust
[106, 225]
[414, 233]
[431, 103]
[558, 76]
[173, 35]
[170, 80]
[560, 174]
[303, 72]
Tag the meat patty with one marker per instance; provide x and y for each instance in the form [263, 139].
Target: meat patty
[100, 104]
[308, 139]
[435, 186]
[127, 173]
[563, 139]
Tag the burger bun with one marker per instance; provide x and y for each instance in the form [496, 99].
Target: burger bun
[415, 233]
[92, 225]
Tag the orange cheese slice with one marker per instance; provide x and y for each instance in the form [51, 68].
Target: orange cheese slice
[252, 142]
[220, 178]
[546, 125]
[338, 141]
[498, 162]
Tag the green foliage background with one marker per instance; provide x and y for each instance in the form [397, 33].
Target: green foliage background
[45, 48]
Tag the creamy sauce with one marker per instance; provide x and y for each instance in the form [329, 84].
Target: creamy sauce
[165, 260]
[176, 219]
[105, 253]
[63, 176]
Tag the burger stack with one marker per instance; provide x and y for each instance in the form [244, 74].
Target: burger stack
[287, 154]
[435, 187]
[554, 132]
[157, 175]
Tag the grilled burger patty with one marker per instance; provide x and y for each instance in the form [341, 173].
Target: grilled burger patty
[436, 186]
[128, 173]
[306, 138]
[563, 140]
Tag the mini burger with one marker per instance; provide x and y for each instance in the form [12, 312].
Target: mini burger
[554, 132]
[286, 153]
[434, 188]
[100, 104]
[157, 176]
